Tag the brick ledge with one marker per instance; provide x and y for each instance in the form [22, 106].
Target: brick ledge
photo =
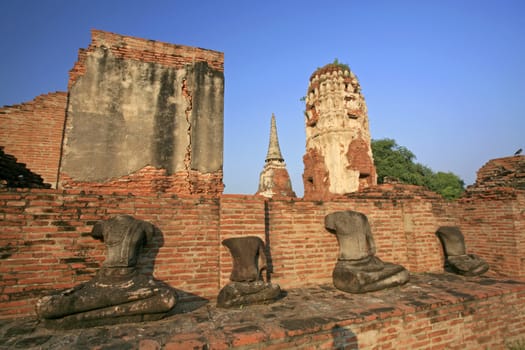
[432, 311]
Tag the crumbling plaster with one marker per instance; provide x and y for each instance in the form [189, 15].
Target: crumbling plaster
[126, 114]
[336, 117]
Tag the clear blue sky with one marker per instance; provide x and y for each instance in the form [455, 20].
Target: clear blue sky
[446, 78]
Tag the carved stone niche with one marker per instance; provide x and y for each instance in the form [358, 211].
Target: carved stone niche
[456, 258]
[358, 270]
[247, 285]
[117, 293]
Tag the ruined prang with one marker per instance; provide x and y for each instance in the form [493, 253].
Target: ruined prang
[338, 157]
[274, 180]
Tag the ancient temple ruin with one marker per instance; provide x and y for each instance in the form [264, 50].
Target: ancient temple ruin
[338, 158]
[154, 116]
[274, 179]
[501, 172]
[140, 115]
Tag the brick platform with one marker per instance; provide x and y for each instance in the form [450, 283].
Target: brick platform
[432, 311]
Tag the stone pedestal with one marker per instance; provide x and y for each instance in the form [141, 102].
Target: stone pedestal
[247, 286]
[456, 258]
[358, 270]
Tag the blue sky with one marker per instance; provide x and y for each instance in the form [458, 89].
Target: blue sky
[446, 79]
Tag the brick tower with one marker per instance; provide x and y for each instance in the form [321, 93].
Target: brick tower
[338, 156]
[274, 180]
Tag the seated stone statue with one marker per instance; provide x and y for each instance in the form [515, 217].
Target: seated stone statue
[456, 258]
[117, 293]
[358, 270]
[247, 286]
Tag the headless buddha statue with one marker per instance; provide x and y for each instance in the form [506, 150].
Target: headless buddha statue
[456, 258]
[358, 270]
[247, 285]
[117, 293]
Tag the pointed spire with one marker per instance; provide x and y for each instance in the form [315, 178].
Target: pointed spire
[274, 179]
[274, 151]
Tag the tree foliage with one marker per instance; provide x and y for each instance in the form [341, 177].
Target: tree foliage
[392, 160]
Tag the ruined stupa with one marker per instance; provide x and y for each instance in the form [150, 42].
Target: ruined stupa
[338, 158]
[274, 179]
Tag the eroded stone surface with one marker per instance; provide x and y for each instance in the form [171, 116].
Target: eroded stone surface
[132, 107]
[274, 180]
[358, 270]
[337, 131]
[456, 258]
[304, 311]
[118, 293]
[247, 286]
[248, 293]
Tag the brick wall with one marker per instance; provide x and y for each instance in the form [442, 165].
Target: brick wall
[16, 175]
[493, 322]
[430, 314]
[144, 50]
[45, 242]
[501, 172]
[493, 225]
[166, 114]
[489, 323]
[32, 132]
[150, 181]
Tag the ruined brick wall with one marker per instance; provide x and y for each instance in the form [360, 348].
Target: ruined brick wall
[151, 180]
[150, 51]
[45, 242]
[501, 172]
[493, 225]
[275, 182]
[301, 251]
[32, 132]
[142, 116]
[492, 210]
[16, 175]
[136, 104]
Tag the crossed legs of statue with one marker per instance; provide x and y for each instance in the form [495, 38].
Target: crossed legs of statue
[367, 275]
[108, 297]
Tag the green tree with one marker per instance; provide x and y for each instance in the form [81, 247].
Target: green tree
[392, 160]
[449, 185]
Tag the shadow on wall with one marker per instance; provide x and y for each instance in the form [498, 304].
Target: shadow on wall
[344, 338]
[17, 175]
[267, 243]
[146, 265]
[146, 262]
